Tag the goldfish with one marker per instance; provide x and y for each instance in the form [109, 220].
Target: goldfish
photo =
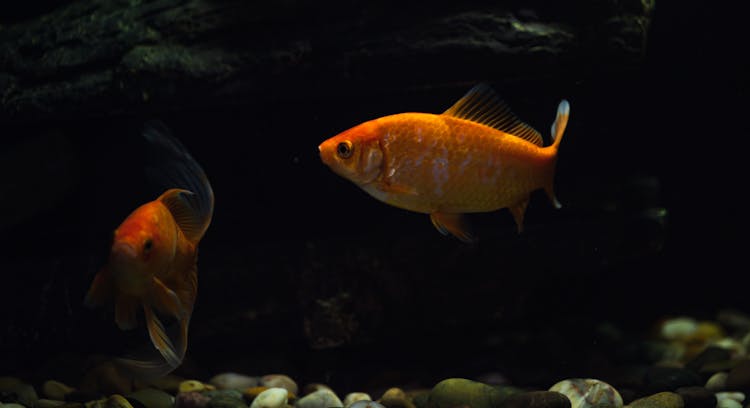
[477, 156]
[152, 262]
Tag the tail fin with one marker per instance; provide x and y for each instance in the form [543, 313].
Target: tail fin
[149, 363]
[173, 167]
[561, 121]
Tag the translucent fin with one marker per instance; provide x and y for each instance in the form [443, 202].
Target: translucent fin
[125, 309]
[482, 105]
[166, 300]
[518, 212]
[147, 363]
[561, 121]
[101, 290]
[454, 224]
[174, 168]
[160, 339]
[179, 203]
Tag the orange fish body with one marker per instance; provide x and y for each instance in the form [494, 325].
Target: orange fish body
[475, 157]
[153, 264]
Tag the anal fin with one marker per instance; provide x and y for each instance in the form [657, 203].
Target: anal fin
[453, 223]
[518, 212]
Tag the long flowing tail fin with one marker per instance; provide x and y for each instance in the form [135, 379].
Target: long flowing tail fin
[172, 166]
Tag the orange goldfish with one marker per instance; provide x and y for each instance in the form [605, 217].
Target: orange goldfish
[474, 157]
[152, 261]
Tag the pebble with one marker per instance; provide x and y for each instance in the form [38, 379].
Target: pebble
[47, 403]
[118, 401]
[733, 346]
[678, 328]
[537, 399]
[734, 396]
[697, 397]
[191, 400]
[235, 381]
[670, 378]
[395, 398]
[660, 400]
[225, 399]
[717, 382]
[711, 354]
[588, 392]
[312, 387]
[353, 397]
[152, 398]
[271, 398]
[194, 386]
[455, 392]
[366, 404]
[56, 390]
[319, 399]
[279, 380]
[11, 405]
[738, 378]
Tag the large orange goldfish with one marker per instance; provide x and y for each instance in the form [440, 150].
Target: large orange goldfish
[152, 261]
[474, 157]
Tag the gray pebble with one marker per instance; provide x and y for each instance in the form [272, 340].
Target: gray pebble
[319, 399]
[233, 381]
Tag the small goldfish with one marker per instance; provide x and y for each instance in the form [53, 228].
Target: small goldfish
[477, 156]
[153, 259]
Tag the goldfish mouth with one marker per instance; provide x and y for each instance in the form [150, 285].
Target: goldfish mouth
[123, 250]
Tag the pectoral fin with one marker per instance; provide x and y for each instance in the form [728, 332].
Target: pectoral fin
[102, 288]
[160, 339]
[454, 224]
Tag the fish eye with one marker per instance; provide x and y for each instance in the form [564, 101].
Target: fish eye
[147, 245]
[345, 149]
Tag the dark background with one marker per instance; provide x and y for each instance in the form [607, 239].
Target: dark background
[303, 273]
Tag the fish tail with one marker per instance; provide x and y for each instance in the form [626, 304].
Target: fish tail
[561, 121]
[174, 168]
[557, 130]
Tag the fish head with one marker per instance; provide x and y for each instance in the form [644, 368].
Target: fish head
[355, 154]
[140, 251]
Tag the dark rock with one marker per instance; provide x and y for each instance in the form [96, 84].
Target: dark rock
[537, 399]
[226, 402]
[697, 397]
[97, 57]
[454, 392]
[710, 355]
[739, 377]
[660, 400]
[670, 378]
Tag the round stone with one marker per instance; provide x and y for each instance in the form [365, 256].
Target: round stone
[233, 381]
[659, 400]
[366, 404]
[152, 398]
[271, 398]
[588, 392]
[56, 390]
[717, 382]
[319, 399]
[353, 397]
[280, 381]
[456, 392]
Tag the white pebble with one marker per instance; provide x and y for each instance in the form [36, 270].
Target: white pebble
[717, 382]
[233, 381]
[367, 404]
[271, 398]
[731, 396]
[678, 328]
[353, 397]
[588, 393]
[319, 399]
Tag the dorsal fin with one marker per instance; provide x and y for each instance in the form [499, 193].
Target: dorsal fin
[181, 203]
[482, 105]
